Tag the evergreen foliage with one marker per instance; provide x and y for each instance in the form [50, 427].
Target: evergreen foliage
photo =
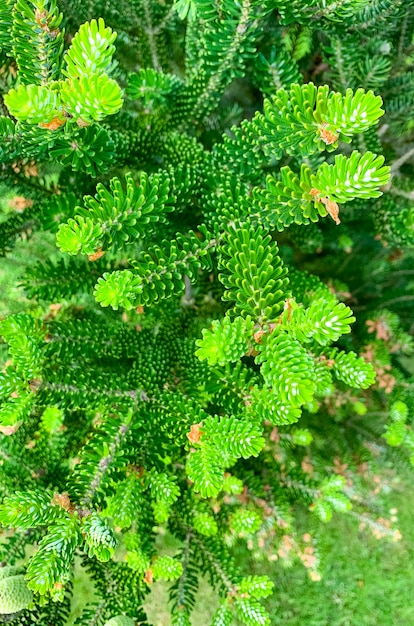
[225, 321]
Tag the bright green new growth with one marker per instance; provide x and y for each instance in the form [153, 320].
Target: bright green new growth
[252, 273]
[324, 320]
[166, 568]
[358, 176]
[353, 371]
[223, 441]
[33, 104]
[136, 209]
[305, 118]
[287, 369]
[226, 342]
[87, 95]
[91, 50]
[91, 97]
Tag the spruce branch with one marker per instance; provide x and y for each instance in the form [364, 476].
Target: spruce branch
[151, 34]
[40, 25]
[228, 60]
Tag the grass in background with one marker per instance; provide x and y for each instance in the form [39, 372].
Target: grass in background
[365, 581]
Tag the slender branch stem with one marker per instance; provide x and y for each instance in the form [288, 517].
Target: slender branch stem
[373, 524]
[294, 484]
[407, 298]
[400, 273]
[132, 393]
[104, 464]
[228, 61]
[98, 615]
[167, 17]
[403, 158]
[382, 130]
[403, 194]
[151, 34]
[217, 566]
[181, 597]
[403, 33]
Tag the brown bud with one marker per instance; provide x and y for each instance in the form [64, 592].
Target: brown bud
[35, 384]
[258, 336]
[81, 123]
[195, 433]
[63, 500]
[20, 203]
[332, 208]
[11, 429]
[149, 577]
[96, 255]
[328, 136]
[54, 124]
